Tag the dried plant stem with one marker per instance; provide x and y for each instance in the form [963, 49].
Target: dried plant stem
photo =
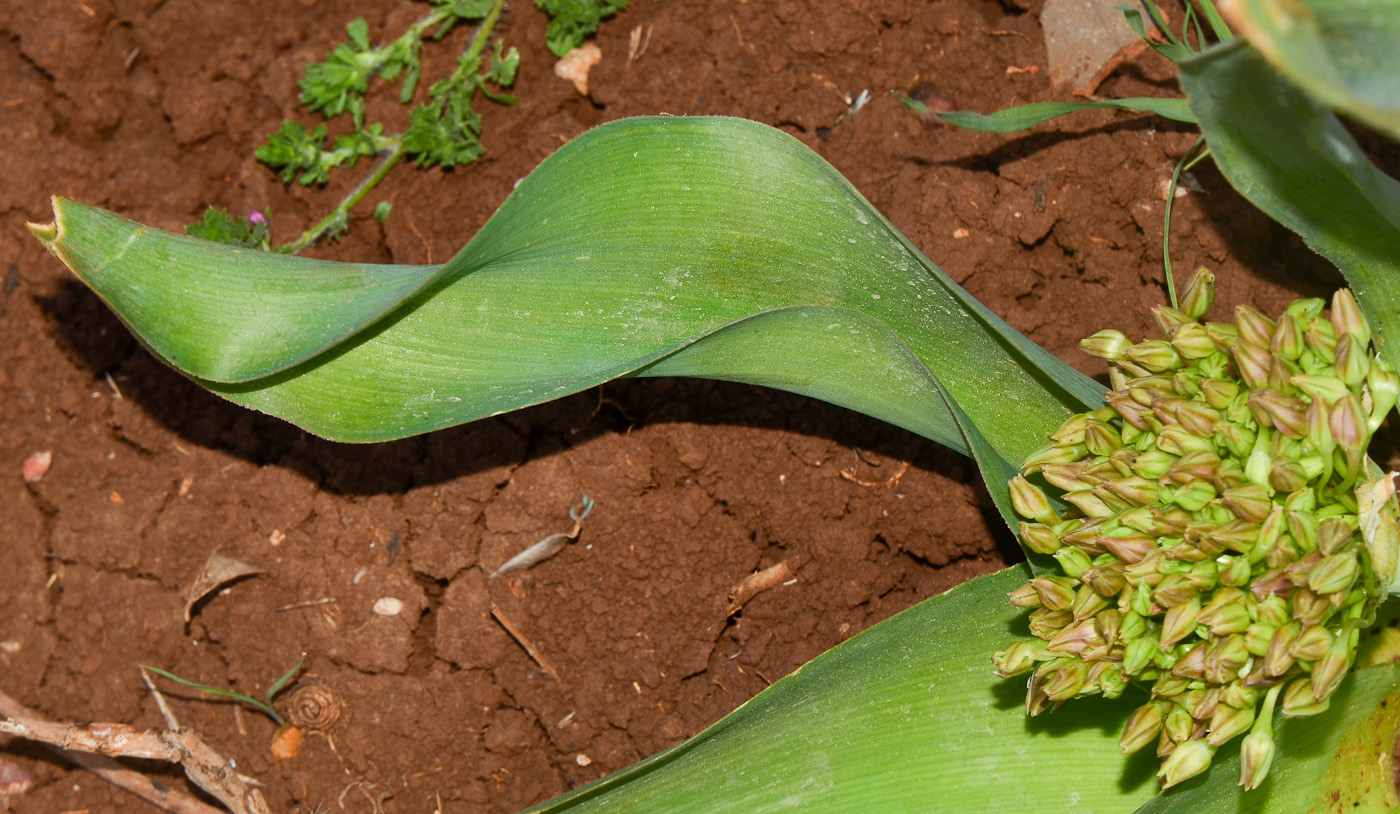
[92, 746]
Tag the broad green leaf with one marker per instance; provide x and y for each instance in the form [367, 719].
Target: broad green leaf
[1294, 160]
[906, 716]
[1342, 52]
[702, 246]
[1022, 117]
[1340, 760]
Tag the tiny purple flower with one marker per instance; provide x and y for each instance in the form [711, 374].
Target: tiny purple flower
[257, 218]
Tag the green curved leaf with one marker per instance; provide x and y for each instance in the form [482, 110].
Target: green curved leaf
[1294, 160]
[1342, 52]
[1023, 117]
[639, 241]
[906, 716]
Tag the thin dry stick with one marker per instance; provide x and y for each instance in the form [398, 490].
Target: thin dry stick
[90, 746]
[523, 642]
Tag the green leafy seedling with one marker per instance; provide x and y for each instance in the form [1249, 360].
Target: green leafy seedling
[265, 707]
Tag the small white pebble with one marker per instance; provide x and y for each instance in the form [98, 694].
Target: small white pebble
[10, 647]
[583, 760]
[388, 606]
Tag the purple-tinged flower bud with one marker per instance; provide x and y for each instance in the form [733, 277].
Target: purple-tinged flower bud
[1020, 657]
[1237, 535]
[1271, 609]
[1052, 456]
[1039, 538]
[1287, 339]
[1287, 475]
[1274, 409]
[1279, 656]
[1225, 658]
[1249, 502]
[1311, 644]
[1074, 639]
[1321, 339]
[1143, 726]
[1257, 751]
[1300, 701]
[1189, 759]
[1072, 431]
[1352, 362]
[1177, 441]
[1109, 623]
[1192, 342]
[1173, 590]
[1227, 722]
[1235, 571]
[1199, 294]
[1091, 504]
[1045, 623]
[1152, 463]
[1065, 682]
[1130, 548]
[1204, 575]
[1030, 502]
[1087, 602]
[1232, 618]
[1084, 535]
[1179, 622]
[1191, 666]
[1134, 414]
[1055, 592]
[1105, 580]
[1253, 362]
[1223, 334]
[1347, 317]
[1329, 670]
[1101, 439]
[1135, 490]
[1025, 597]
[1336, 573]
[1107, 345]
[1281, 372]
[1168, 319]
[1197, 418]
[1069, 477]
[1253, 326]
[1196, 465]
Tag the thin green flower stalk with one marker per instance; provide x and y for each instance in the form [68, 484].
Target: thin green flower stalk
[1222, 535]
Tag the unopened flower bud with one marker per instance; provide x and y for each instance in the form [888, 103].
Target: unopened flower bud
[1287, 339]
[1072, 561]
[1219, 393]
[1025, 597]
[1321, 388]
[1321, 339]
[1135, 490]
[1347, 317]
[1020, 657]
[1237, 439]
[1177, 441]
[1281, 372]
[1179, 622]
[1352, 362]
[1311, 644]
[1152, 464]
[1071, 432]
[1193, 497]
[1256, 757]
[1189, 759]
[1130, 548]
[1223, 334]
[1329, 670]
[1384, 385]
[1066, 681]
[1039, 538]
[1231, 618]
[1069, 477]
[1253, 326]
[1056, 593]
[1224, 659]
[1227, 722]
[1312, 608]
[1168, 319]
[1192, 342]
[1030, 502]
[1052, 455]
[1108, 345]
[1279, 656]
[1197, 418]
[1090, 503]
[1258, 638]
[1156, 355]
[1287, 475]
[1199, 294]
[1253, 361]
[1334, 574]
[1299, 700]
[1045, 623]
[1087, 602]
[1139, 655]
[1249, 502]
[1143, 726]
[1235, 571]
[1073, 639]
[1274, 409]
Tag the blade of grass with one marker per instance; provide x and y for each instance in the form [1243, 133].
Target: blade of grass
[286, 679]
[219, 691]
[1012, 119]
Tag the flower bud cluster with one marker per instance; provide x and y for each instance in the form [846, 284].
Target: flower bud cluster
[1220, 539]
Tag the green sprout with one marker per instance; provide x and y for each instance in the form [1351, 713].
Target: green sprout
[265, 707]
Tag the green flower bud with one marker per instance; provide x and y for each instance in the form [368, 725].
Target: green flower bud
[1139, 654]
[1156, 355]
[1321, 339]
[1087, 602]
[1220, 393]
[1258, 638]
[1194, 466]
[1072, 561]
[1199, 294]
[1056, 593]
[1030, 502]
[1347, 317]
[1311, 644]
[1385, 390]
[1019, 658]
[1235, 571]
[1192, 342]
[1101, 439]
[1134, 490]
[1335, 573]
[1106, 345]
[1236, 535]
[1108, 677]
[1025, 597]
[1227, 722]
[1329, 670]
[1321, 388]
[1090, 503]
[1069, 477]
[1237, 439]
[1133, 627]
[1108, 623]
[1198, 419]
[1105, 580]
[1173, 590]
[1152, 464]
[1143, 726]
[1225, 658]
[1189, 759]
[1177, 441]
[1230, 618]
[1223, 334]
[1053, 455]
[1257, 751]
[1071, 432]
[1300, 701]
[1287, 475]
[1286, 413]
[1192, 497]
[1239, 696]
[1171, 687]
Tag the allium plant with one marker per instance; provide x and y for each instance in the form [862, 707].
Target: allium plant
[1219, 539]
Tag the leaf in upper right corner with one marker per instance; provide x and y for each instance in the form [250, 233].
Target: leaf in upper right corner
[1292, 158]
[1341, 52]
[1341, 760]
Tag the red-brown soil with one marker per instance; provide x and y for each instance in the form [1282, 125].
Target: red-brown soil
[153, 108]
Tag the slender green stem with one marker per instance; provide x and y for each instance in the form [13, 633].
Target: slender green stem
[394, 153]
[1185, 163]
[338, 216]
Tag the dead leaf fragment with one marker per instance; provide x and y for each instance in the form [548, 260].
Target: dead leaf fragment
[221, 568]
[36, 466]
[576, 64]
[756, 583]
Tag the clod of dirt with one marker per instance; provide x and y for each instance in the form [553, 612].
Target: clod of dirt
[220, 569]
[286, 743]
[576, 64]
[36, 466]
